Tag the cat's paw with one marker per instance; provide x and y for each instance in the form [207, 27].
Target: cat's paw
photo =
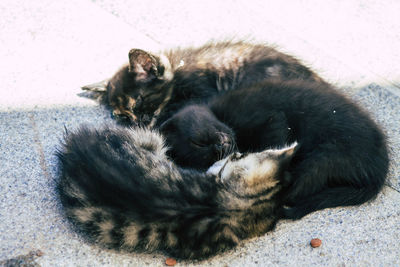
[124, 119]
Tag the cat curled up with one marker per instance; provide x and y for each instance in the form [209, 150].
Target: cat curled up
[153, 86]
[342, 157]
[121, 189]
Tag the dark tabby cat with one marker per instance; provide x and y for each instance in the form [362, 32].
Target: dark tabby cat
[152, 87]
[119, 186]
[342, 159]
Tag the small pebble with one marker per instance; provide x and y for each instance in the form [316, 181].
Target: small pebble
[170, 261]
[316, 242]
[39, 253]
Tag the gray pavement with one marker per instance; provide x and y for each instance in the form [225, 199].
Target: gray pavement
[48, 49]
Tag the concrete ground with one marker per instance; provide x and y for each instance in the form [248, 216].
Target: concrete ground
[48, 49]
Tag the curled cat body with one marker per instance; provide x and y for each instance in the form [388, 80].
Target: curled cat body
[342, 157]
[121, 189]
[153, 86]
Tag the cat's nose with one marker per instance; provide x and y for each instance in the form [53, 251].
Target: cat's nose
[224, 138]
[224, 144]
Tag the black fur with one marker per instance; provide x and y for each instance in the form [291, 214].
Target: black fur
[342, 159]
[205, 138]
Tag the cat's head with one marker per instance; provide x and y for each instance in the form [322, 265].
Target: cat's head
[254, 174]
[148, 74]
[196, 138]
[143, 80]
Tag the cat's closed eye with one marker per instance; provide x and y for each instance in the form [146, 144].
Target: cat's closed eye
[198, 144]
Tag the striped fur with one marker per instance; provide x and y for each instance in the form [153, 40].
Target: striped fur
[119, 187]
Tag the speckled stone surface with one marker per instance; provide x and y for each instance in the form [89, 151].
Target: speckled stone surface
[48, 49]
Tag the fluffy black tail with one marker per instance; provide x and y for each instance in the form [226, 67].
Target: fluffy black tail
[329, 198]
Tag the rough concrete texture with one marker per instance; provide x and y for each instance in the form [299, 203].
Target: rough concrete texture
[48, 49]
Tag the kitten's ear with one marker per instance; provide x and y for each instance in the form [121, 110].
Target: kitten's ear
[96, 87]
[285, 157]
[286, 154]
[168, 126]
[143, 65]
[216, 168]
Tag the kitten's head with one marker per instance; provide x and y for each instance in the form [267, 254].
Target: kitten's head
[141, 87]
[148, 73]
[253, 174]
[197, 138]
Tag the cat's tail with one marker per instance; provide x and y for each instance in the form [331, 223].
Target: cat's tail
[326, 180]
[118, 187]
[329, 198]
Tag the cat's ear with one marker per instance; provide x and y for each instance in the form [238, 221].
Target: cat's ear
[143, 65]
[99, 87]
[216, 168]
[287, 152]
[168, 126]
[285, 157]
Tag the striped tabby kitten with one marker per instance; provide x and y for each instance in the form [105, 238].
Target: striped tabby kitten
[119, 186]
[153, 86]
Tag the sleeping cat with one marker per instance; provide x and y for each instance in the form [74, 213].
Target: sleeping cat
[342, 159]
[119, 186]
[154, 86]
[197, 138]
